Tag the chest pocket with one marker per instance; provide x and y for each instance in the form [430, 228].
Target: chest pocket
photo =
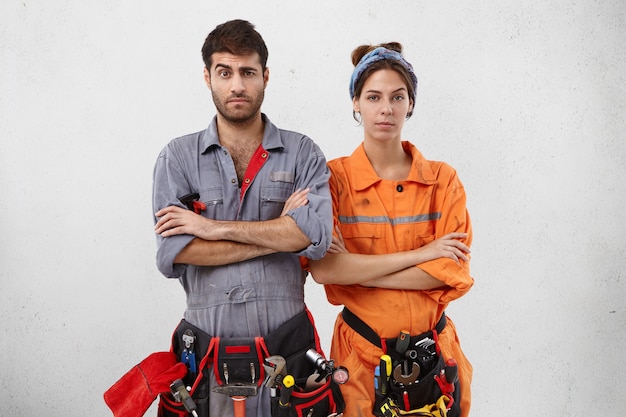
[423, 239]
[364, 238]
[214, 200]
[273, 199]
[422, 231]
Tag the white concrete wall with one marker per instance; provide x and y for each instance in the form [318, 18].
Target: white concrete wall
[526, 99]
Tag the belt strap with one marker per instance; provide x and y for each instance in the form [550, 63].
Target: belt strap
[368, 333]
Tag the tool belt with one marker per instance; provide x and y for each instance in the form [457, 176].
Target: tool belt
[238, 362]
[417, 378]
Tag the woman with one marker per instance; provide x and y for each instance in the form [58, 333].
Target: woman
[400, 253]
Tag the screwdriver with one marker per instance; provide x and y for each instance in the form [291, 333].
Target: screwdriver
[385, 373]
[451, 371]
[403, 341]
[285, 392]
[180, 393]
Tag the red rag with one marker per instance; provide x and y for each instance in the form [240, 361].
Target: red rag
[133, 393]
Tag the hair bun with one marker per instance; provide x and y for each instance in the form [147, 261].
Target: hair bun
[393, 46]
[360, 51]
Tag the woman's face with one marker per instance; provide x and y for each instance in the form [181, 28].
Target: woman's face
[383, 105]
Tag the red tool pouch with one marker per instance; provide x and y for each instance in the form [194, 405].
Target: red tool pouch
[240, 360]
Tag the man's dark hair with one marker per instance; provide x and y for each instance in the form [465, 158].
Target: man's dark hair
[237, 37]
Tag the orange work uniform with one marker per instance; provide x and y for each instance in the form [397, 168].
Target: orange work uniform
[377, 216]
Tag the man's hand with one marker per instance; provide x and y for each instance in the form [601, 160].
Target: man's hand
[175, 220]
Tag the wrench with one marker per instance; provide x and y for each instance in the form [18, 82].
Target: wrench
[405, 379]
[275, 368]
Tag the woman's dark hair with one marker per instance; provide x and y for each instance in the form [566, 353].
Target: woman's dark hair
[360, 51]
[237, 37]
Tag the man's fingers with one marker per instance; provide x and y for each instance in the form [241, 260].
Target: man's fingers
[164, 225]
[173, 231]
[168, 209]
[161, 223]
[165, 218]
[169, 218]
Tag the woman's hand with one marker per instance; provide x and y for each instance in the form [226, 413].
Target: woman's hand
[295, 200]
[337, 245]
[448, 246]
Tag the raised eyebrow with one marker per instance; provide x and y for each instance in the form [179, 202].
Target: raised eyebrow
[224, 66]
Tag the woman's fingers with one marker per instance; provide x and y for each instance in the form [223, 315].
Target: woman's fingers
[295, 200]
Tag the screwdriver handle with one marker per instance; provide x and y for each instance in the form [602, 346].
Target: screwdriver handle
[403, 341]
[178, 389]
[285, 391]
[451, 371]
[385, 373]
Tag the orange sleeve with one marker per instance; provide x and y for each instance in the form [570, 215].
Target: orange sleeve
[455, 218]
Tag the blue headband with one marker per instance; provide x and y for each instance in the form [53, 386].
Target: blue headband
[379, 54]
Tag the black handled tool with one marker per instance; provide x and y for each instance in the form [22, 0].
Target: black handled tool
[385, 373]
[181, 394]
[403, 340]
[286, 389]
[326, 368]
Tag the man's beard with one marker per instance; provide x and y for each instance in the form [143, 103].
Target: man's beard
[239, 116]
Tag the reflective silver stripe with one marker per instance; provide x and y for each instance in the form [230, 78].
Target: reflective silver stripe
[384, 219]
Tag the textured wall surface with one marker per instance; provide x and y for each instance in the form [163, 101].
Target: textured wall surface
[525, 99]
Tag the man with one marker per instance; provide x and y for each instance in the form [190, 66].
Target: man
[237, 204]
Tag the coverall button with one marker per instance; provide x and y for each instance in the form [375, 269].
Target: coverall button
[400, 188]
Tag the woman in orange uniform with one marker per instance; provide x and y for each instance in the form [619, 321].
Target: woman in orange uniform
[399, 256]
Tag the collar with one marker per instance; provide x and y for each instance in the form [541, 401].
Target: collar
[271, 136]
[365, 176]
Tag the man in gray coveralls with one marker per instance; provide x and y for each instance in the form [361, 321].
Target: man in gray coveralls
[262, 201]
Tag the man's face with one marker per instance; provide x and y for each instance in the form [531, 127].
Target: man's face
[237, 83]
